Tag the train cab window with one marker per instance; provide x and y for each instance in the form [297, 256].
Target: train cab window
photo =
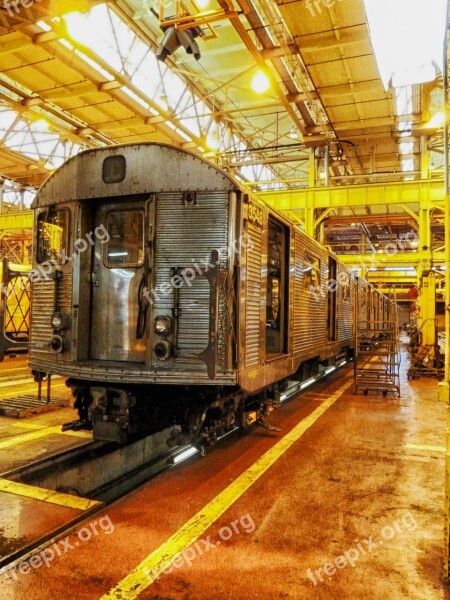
[52, 230]
[277, 288]
[311, 272]
[125, 247]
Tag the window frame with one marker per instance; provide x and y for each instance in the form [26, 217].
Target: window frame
[53, 258]
[123, 265]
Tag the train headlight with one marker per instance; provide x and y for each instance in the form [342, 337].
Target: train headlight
[57, 344]
[163, 325]
[56, 320]
[163, 350]
[59, 321]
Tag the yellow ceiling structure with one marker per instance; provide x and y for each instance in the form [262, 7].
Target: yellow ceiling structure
[71, 82]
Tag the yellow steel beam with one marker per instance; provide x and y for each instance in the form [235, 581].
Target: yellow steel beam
[410, 212]
[394, 277]
[428, 193]
[427, 310]
[22, 219]
[411, 259]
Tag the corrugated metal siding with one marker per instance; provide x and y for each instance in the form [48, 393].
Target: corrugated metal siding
[186, 234]
[363, 301]
[42, 305]
[345, 307]
[253, 298]
[312, 308]
[298, 283]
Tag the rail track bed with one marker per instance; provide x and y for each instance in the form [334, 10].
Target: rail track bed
[50, 496]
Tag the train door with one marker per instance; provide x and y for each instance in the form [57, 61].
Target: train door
[118, 267]
[277, 288]
[332, 300]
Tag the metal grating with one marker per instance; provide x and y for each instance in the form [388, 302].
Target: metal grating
[24, 406]
[253, 299]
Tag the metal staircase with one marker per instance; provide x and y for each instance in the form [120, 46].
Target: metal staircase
[377, 352]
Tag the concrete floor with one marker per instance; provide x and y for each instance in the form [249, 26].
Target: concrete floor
[353, 510]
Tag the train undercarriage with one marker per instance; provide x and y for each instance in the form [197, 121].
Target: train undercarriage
[197, 415]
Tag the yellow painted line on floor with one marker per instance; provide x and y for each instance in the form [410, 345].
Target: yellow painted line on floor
[143, 576]
[37, 493]
[428, 448]
[7, 394]
[35, 435]
[25, 381]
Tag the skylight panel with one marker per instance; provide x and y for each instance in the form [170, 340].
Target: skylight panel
[407, 37]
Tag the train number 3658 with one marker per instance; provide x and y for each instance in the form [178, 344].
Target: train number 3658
[255, 214]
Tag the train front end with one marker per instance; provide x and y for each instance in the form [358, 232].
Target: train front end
[134, 285]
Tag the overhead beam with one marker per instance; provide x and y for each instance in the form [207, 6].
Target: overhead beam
[427, 192]
[351, 89]
[332, 39]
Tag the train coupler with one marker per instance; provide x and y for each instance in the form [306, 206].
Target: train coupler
[261, 415]
[77, 425]
[261, 420]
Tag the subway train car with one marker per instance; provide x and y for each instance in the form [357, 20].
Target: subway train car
[168, 296]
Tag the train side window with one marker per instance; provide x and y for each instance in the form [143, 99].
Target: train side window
[277, 288]
[52, 230]
[311, 272]
[125, 247]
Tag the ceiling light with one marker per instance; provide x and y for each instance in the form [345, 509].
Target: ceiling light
[40, 125]
[212, 140]
[293, 134]
[202, 3]
[260, 82]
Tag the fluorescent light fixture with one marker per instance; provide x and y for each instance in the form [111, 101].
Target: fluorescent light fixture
[260, 82]
[185, 455]
[407, 37]
[307, 383]
[40, 126]
[330, 369]
[283, 397]
[115, 254]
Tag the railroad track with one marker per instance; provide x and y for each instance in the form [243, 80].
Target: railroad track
[95, 475]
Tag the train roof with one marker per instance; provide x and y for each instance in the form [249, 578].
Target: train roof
[149, 168]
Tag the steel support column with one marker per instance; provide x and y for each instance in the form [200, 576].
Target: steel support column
[444, 386]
